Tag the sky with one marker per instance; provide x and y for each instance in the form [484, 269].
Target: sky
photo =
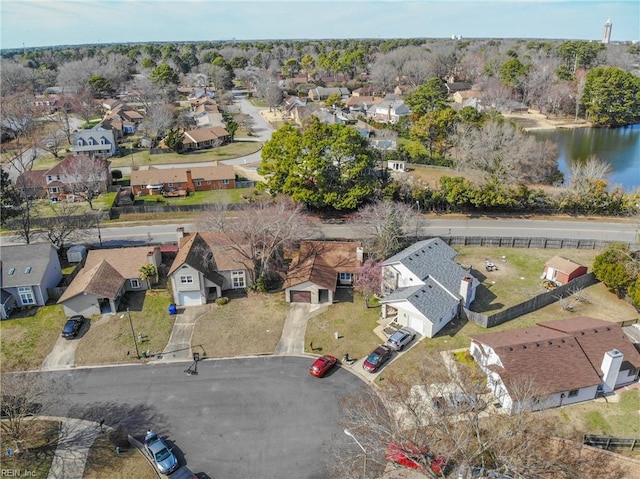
[34, 23]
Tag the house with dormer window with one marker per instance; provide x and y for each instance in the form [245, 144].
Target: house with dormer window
[424, 288]
[27, 271]
[94, 142]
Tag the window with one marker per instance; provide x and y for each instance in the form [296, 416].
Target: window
[198, 182]
[11, 271]
[49, 178]
[58, 177]
[27, 270]
[170, 185]
[186, 279]
[345, 277]
[102, 142]
[134, 283]
[208, 182]
[237, 279]
[26, 295]
[178, 185]
[54, 189]
[573, 393]
[224, 182]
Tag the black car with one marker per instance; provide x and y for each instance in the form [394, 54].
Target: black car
[72, 326]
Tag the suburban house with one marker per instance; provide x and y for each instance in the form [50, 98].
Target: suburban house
[562, 270]
[361, 103]
[27, 271]
[200, 138]
[105, 278]
[94, 142]
[319, 268]
[424, 288]
[388, 111]
[153, 181]
[206, 265]
[563, 361]
[321, 93]
[65, 175]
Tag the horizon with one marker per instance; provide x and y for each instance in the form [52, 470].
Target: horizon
[73, 23]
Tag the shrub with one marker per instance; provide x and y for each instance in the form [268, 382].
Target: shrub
[222, 301]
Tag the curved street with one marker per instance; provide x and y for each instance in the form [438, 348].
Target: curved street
[263, 417]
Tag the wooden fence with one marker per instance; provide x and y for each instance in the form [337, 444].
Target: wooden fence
[515, 242]
[612, 442]
[533, 304]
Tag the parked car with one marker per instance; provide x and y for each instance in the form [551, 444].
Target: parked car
[398, 340]
[377, 358]
[72, 326]
[322, 365]
[160, 453]
[414, 457]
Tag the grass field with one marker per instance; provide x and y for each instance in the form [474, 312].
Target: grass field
[40, 447]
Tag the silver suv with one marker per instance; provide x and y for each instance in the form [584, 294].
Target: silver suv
[398, 340]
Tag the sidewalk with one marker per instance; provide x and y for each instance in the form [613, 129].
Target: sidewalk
[70, 458]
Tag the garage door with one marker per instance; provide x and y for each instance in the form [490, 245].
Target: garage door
[190, 298]
[417, 325]
[300, 296]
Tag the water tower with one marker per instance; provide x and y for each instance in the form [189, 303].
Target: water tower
[606, 34]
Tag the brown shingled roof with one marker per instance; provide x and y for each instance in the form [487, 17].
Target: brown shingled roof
[563, 265]
[126, 261]
[320, 262]
[100, 280]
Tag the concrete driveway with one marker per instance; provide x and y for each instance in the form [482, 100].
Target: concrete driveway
[63, 354]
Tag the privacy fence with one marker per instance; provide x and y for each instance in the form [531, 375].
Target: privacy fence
[612, 442]
[535, 303]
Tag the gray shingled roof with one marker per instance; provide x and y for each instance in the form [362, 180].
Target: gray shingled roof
[429, 298]
[20, 258]
[432, 258]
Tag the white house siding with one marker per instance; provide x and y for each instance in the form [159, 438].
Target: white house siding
[84, 304]
[178, 287]
[407, 278]
[310, 287]
[408, 315]
[52, 276]
[625, 376]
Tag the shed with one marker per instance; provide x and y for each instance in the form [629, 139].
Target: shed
[76, 253]
[562, 270]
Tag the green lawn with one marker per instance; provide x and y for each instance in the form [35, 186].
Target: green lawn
[202, 197]
[226, 152]
[27, 338]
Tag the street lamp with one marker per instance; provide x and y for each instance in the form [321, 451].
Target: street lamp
[364, 467]
[133, 334]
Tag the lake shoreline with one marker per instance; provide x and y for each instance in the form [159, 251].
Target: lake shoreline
[533, 120]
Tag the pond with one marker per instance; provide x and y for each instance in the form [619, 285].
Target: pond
[620, 147]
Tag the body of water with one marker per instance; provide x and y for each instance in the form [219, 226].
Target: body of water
[620, 147]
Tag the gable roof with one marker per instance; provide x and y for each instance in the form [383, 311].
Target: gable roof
[96, 134]
[101, 280]
[126, 261]
[208, 252]
[69, 162]
[320, 262]
[430, 298]
[199, 135]
[33, 258]
[557, 355]
[432, 258]
[153, 176]
[563, 265]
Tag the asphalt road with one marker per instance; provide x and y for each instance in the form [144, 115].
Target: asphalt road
[127, 235]
[251, 418]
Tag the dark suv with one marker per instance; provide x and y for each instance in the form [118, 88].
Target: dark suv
[72, 326]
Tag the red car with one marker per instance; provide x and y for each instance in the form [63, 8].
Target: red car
[323, 365]
[414, 457]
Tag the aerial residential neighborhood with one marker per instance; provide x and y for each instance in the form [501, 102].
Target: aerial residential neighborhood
[366, 254]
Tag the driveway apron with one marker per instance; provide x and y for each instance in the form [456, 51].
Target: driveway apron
[179, 346]
[295, 326]
[75, 439]
[63, 355]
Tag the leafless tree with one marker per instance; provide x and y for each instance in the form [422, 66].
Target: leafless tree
[260, 233]
[157, 121]
[14, 77]
[64, 221]
[85, 176]
[19, 114]
[53, 141]
[386, 224]
[591, 170]
[442, 408]
[73, 76]
[505, 154]
[25, 395]
[84, 105]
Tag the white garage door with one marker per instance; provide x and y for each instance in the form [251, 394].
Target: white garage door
[190, 298]
[417, 325]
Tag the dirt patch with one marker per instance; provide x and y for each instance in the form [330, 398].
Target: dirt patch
[534, 120]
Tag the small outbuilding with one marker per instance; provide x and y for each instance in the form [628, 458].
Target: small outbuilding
[76, 253]
[562, 270]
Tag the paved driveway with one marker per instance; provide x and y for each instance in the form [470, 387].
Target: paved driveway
[63, 353]
[250, 418]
